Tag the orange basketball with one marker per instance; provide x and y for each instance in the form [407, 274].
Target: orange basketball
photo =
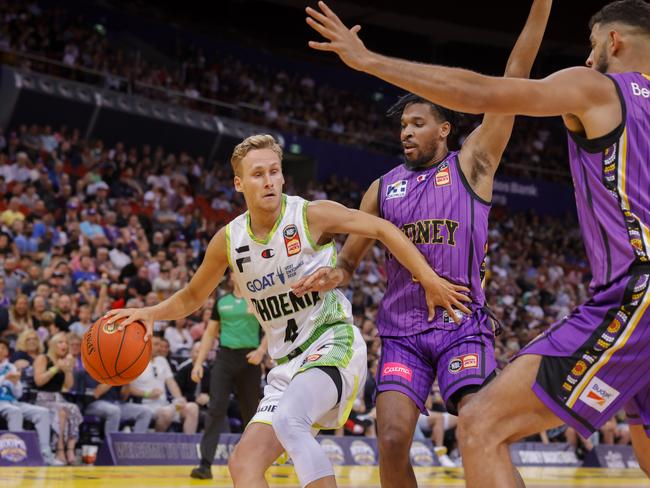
[115, 357]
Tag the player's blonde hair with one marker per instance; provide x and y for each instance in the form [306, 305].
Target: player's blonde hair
[257, 141]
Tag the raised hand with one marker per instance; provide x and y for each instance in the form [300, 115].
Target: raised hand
[126, 316]
[441, 293]
[325, 278]
[343, 41]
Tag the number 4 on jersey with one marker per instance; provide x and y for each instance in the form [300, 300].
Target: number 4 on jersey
[292, 331]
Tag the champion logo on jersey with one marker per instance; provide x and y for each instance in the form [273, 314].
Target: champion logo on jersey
[268, 253]
[396, 190]
[292, 240]
[421, 178]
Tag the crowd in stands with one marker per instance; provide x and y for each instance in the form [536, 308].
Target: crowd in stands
[85, 228]
[293, 102]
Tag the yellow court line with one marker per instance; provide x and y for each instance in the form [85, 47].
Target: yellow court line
[284, 477]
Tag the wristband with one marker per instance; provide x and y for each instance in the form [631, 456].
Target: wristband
[54, 369]
[145, 395]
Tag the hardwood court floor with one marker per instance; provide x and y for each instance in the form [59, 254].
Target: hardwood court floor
[283, 476]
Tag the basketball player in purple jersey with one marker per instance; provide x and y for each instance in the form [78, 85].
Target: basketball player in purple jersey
[441, 201]
[595, 361]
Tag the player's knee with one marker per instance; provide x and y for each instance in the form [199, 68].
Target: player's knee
[288, 425]
[238, 465]
[394, 441]
[473, 428]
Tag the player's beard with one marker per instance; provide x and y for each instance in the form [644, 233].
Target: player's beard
[424, 159]
[602, 63]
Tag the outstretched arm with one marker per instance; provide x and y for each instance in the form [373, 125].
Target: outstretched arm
[188, 299]
[327, 217]
[353, 251]
[580, 92]
[482, 151]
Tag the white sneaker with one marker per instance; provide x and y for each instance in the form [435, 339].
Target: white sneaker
[50, 460]
[446, 462]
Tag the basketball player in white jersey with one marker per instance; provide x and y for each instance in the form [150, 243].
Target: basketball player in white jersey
[321, 357]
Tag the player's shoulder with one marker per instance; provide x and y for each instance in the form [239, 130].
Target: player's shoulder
[395, 171]
[584, 78]
[295, 200]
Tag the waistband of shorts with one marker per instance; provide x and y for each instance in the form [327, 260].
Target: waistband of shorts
[634, 269]
[315, 335]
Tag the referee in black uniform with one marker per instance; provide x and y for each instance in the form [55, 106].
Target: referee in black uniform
[237, 366]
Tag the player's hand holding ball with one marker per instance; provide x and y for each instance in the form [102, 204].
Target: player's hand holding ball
[115, 350]
[127, 316]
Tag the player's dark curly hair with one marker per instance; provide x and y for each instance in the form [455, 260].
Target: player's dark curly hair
[442, 114]
[635, 13]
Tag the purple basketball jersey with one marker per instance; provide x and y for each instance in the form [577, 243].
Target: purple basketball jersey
[437, 209]
[611, 185]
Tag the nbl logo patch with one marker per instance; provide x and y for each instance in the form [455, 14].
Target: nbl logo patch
[461, 363]
[396, 190]
[292, 240]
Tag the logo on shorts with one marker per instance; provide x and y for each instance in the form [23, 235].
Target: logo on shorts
[599, 395]
[270, 408]
[461, 363]
[313, 357]
[397, 369]
[291, 240]
[12, 448]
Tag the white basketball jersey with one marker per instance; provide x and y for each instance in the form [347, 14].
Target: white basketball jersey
[264, 269]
